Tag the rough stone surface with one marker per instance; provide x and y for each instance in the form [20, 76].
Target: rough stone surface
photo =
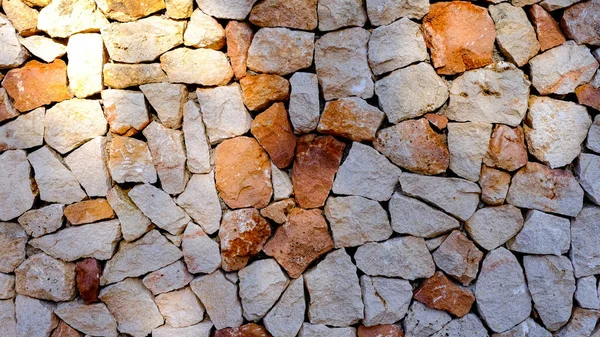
[470, 325]
[593, 139]
[14, 55]
[548, 33]
[13, 240]
[494, 185]
[8, 111]
[506, 148]
[202, 329]
[46, 278]
[93, 319]
[273, 131]
[43, 47]
[196, 141]
[587, 171]
[280, 51]
[386, 300]
[383, 12]
[527, 328]
[64, 330]
[261, 284]
[491, 227]
[172, 277]
[35, 318]
[203, 31]
[239, 37]
[458, 257]
[235, 9]
[201, 202]
[514, 34]
[38, 222]
[223, 112]
[413, 217]
[133, 222]
[130, 161]
[320, 330]
[16, 189]
[160, 208]
[468, 144]
[88, 211]
[200, 253]
[88, 164]
[582, 323]
[586, 293]
[125, 110]
[351, 118]
[585, 254]
[7, 286]
[580, 23]
[196, 66]
[179, 9]
[282, 184]
[422, 321]
[438, 292]
[260, 91]
[23, 17]
[588, 95]
[180, 308]
[168, 100]
[287, 315]
[121, 76]
[168, 155]
[335, 14]
[26, 131]
[87, 277]
[542, 233]
[219, 297]
[278, 211]
[304, 107]
[82, 16]
[292, 14]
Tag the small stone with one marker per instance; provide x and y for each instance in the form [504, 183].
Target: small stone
[88, 211]
[180, 308]
[134, 223]
[202, 329]
[81, 16]
[587, 171]
[542, 234]
[23, 17]
[125, 110]
[582, 323]
[386, 300]
[470, 325]
[302, 239]
[458, 257]
[586, 294]
[335, 295]
[149, 253]
[413, 217]
[203, 31]
[536, 186]
[580, 23]
[438, 292]
[25, 132]
[460, 36]
[43, 47]
[223, 112]
[44, 220]
[351, 118]
[46, 278]
[280, 51]
[16, 188]
[168, 156]
[335, 14]
[196, 141]
[315, 165]
[64, 330]
[468, 144]
[585, 253]
[278, 211]
[298, 14]
[34, 318]
[88, 164]
[304, 106]
[129, 10]
[494, 185]
[282, 184]
[552, 5]
[440, 122]
[383, 12]
[246, 330]
[548, 33]
[219, 296]
[491, 227]
[86, 59]
[142, 40]
[88, 273]
[396, 46]
[413, 145]
[260, 91]
[456, 196]
[506, 148]
[406, 257]
[200, 252]
[235, 9]
[287, 315]
[320, 330]
[588, 95]
[121, 76]
[7, 110]
[501, 293]
[14, 54]
[7, 287]
[12, 242]
[261, 284]
[201, 202]
[133, 306]
[273, 131]
[168, 100]
[514, 34]
[179, 9]
[422, 321]
[54, 181]
[94, 319]
[243, 233]
[97, 240]
[130, 161]
[387, 330]
[342, 65]
[172, 277]
[160, 208]
[527, 328]
[239, 37]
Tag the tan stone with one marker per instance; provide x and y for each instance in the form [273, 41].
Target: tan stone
[386, 330]
[202, 66]
[121, 76]
[129, 10]
[88, 211]
[515, 36]
[278, 211]
[260, 91]
[273, 131]
[297, 14]
[12, 246]
[239, 37]
[64, 330]
[203, 31]
[88, 164]
[440, 122]
[588, 95]
[43, 47]
[243, 233]
[23, 17]
[46, 278]
[458, 257]
[506, 149]
[280, 51]
[130, 161]
[351, 118]
[168, 100]
[81, 16]
[179, 9]
[438, 292]
[548, 32]
[494, 185]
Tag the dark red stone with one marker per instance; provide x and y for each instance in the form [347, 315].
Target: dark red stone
[88, 279]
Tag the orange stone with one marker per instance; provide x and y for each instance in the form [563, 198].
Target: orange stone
[87, 278]
[239, 37]
[438, 292]
[279, 210]
[548, 32]
[37, 84]
[386, 330]
[64, 330]
[351, 118]
[243, 233]
[298, 14]
[317, 161]
[89, 211]
[494, 185]
[506, 148]
[440, 122]
[302, 239]
[260, 91]
[273, 131]
[243, 173]
[460, 36]
[589, 96]
[247, 330]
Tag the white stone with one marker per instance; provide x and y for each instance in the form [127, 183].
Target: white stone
[219, 297]
[233, 9]
[13, 241]
[130, 161]
[55, 182]
[43, 47]
[35, 318]
[585, 244]
[16, 190]
[366, 172]
[88, 164]
[282, 184]
[13, 53]
[491, 227]
[46, 278]
[140, 257]
[7, 287]
[179, 9]
[180, 308]
[396, 45]
[413, 217]
[9, 111]
[527, 328]
[134, 223]
[586, 293]
[121, 76]
[201, 202]
[82, 16]
[422, 321]
[433, 244]
[356, 220]
[196, 141]
[383, 12]
[280, 51]
[335, 296]
[593, 139]
[85, 53]
[167, 99]
[126, 111]
[304, 108]
[320, 330]
[587, 171]
[335, 14]
[202, 329]
[411, 92]
[467, 326]
[223, 112]
[203, 31]
[287, 315]
[160, 208]
[172, 277]
[200, 252]
[93, 319]
[202, 66]
[386, 300]
[261, 284]
[514, 33]
[542, 233]
[24, 132]
[8, 321]
[467, 144]
[44, 220]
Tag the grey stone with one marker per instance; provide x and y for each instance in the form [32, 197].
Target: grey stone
[201, 254]
[587, 170]
[35, 318]
[134, 223]
[383, 12]
[8, 321]
[24, 132]
[287, 315]
[413, 217]
[585, 244]
[491, 227]
[13, 241]
[586, 293]
[160, 208]
[201, 329]
[458, 257]
[280, 51]
[335, 14]
[261, 284]
[468, 144]
[320, 330]
[44, 220]
[46, 278]
[219, 297]
[88, 164]
[172, 277]
[542, 233]
[234, 9]
[196, 141]
[467, 326]
[582, 323]
[201, 202]
[304, 109]
[422, 321]
[16, 189]
[386, 300]
[93, 319]
[593, 138]
[7, 287]
[527, 328]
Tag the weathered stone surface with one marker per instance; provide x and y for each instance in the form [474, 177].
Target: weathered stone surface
[287, 315]
[88, 164]
[171, 277]
[438, 292]
[585, 252]
[196, 140]
[168, 156]
[82, 16]
[64, 330]
[342, 65]
[223, 112]
[320, 330]
[593, 139]
[460, 36]
[552, 285]
[97, 240]
[43, 47]
[168, 100]
[8, 321]
[235, 9]
[588, 95]
[201, 254]
[180, 308]
[406, 257]
[304, 108]
[580, 23]
[201, 202]
[527, 328]
[506, 148]
[456, 196]
[261, 284]
[491, 227]
[243, 233]
[133, 306]
[280, 51]
[147, 254]
[14, 55]
[413, 217]
[179, 9]
[383, 12]
[130, 161]
[94, 319]
[587, 171]
[246, 330]
[202, 329]
[501, 293]
[536, 186]
[468, 144]
[458, 257]
[586, 293]
[239, 37]
[7, 110]
[555, 130]
[335, 14]
[35, 318]
[86, 59]
[87, 277]
[440, 122]
[44, 220]
[278, 211]
[293, 14]
[16, 189]
[46, 278]
[514, 34]
[196, 66]
[301, 240]
[160, 208]
[126, 11]
[494, 185]
[470, 325]
[542, 234]
[23, 17]
[548, 33]
[582, 323]
[125, 110]
[262, 90]
[133, 222]
[411, 92]
[273, 131]
[422, 321]
[386, 300]
[12, 241]
[316, 162]
[351, 118]
[7, 287]
[121, 76]
[88, 211]
[219, 297]
[282, 183]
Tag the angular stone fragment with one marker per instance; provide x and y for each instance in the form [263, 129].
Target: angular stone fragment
[287, 315]
[527, 328]
[413, 217]
[7, 287]
[81, 16]
[352, 118]
[273, 131]
[64, 330]
[243, 233]
[422, 321]
[16, 188]
[585, 252]
[467, 144]
[470, 325]
[88, 164]
[536, 186]
[491, 227]
[44, 220]
[586, 294]
[335, 14]
[414, 145]
[168, 156]
[301, 240]
[588, 95]
[196, 141]
[501, 293]
[406, 257]
[46, 278]
[168, 100]
[514, 34]
[202, 329]
[43, 47]
[12, 242]
[246, 330]
[86, 59]
[126, 11]
[8, 321]
[386, 300]
[180, 308]
[261, 284]
[35, 318]
[94, 319]
[196, 66]
[280, 51]
[580, 23]
[239, 37]
[458, 257]
[130, 161]
[438, 292]
[23, 17]
[282, 184]
[383, 12]
[278, 211]
[219, 297]
[304, 108]
[171, 277]
[506, 148]
[494, 185]
[200, 252]
[260, 91]
[14, 54]
[234, 9]
[7, 110]
[548, 33]
[582, 323]
[201, 202]
[297, 14]
[121, 76]
[542, 234]
[223, 112]
[87, 276]
[125, 110]
[179, 9]
[593, 139]
[133, 222]
[320, 330]
[587, 171]
[88, 211]
[160, 208]
[459, 35]
[458, 197]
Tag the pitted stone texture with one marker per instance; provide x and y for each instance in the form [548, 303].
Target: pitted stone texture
[46, 278]
[82, 16]
[386, 300]
[44, 220]
[121, 76]
[491, 227]
[201, 254]
[235, 9]
[7, 287]
[26, 131]
[280, 51]
[585, 245]
[580, 23]
[262, 90]
[172, 277]
[261, 284]
[351, 118]
[8, 321]
[14, 55]
[458, 257]
[297, 14]
[168, 156]
[13, 240]
[168, 100]
[85, 53]
[93, 319]
[43, 47]
[586, 293]
[335, 14]
[507, 148]
[201, 202]
[548, 33]
[125, 110]
[287, 315]
[438, 292]
[203, 31]
[470, 326]
[35, 318]
[588, 172]
[527, 328]
[542, 233]
[383, 12]
[180, 308]
[468, 144]
[88, 164]
[494, 185]
[196, 66]
[514, 34]
[223, 112]
[422, 321]
[130, 161]
[179, 9]
[133, 222]
[16, 188]
[196, 141]
[413, 217]
[239, 37]
[160, 208]
[273, 131]
[219, 297]
[582, 323]
[304, 102]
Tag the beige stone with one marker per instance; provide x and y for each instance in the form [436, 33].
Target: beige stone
[203, 31]
[179, 9]
[134, 223]
[125, 110]
[180, 308]
[23, 17]
[121, 76]
[82, 16]
[220, 299]
[196, 140]
[168, 100]
[352, 118]
[172, 277]
[280, 51]
[13, 240]
[383, 12]
[335, 14]
[494, 185]
[223, 112]
[507, 148]
[201, 202]
[160, 208]
[43, 220]
[200, 253]
[88, 164]
[197, 66]
[130, 10]
[44, 47]
[130, 161]
[14, 55]
[86, 60]
[234, 9]
[46, 278]
[514, 33]
[16, 189]
[468, 143]
[93, 319]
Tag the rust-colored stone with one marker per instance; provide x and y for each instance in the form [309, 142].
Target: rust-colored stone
[260, 91]
[458, 257]
[460, 36]
[278, 210]
[548, 32]
[580, 22]
[298, 14]
[507, 148]
[494, 185]
[302, 239]
[438, 292]
[64, 330]
[243, 233]
[317, 161]
[239, 37]
[36, 84]
[386, 330]
[440, 122]
[351, 118]
[247, 330]
[274, 132]
[89, 211]
[87, 277]
[243, 173]
[588, 95]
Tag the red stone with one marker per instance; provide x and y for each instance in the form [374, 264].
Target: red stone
[440, 122]
[243, 233]
[274, 132]
[387, 330]
[247, 330]
[548, 32]
[506, 148]
[438, 292]
[64, 330]
[239, 37]
[581, 22]
[588, 95]
[260, 91]
[317, 161]
[87, 277]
